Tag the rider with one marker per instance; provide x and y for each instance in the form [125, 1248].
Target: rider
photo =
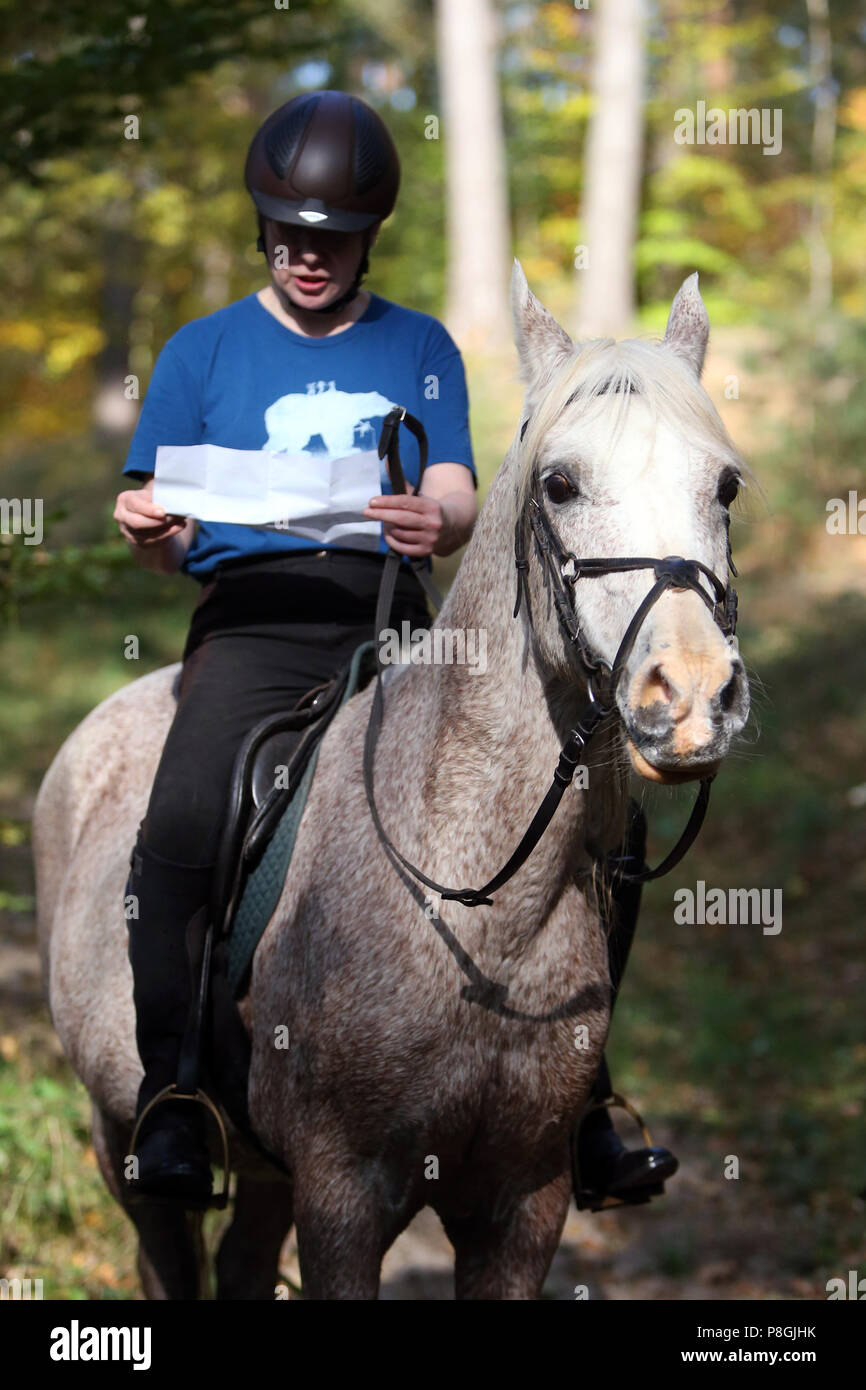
[278, 615]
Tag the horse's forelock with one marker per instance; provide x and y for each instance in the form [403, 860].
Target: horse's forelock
[605, 375]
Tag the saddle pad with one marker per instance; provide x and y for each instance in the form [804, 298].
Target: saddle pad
[264, 885]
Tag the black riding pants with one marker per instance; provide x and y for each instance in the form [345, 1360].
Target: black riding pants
[263, 633]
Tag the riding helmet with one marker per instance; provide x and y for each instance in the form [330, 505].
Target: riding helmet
[324, 159]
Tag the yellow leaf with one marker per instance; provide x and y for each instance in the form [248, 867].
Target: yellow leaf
[853, 111]
[21, 334]
[66, 351]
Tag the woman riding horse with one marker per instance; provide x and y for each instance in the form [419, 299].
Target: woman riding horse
[277, 616]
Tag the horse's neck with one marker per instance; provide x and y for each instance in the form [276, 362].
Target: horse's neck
[488, 742]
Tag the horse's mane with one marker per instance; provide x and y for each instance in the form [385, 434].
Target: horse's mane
[606, 375]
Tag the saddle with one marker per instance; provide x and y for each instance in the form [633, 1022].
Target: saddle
[271, 778]
[263, 817]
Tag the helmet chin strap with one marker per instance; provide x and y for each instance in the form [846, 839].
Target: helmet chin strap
[342, 300]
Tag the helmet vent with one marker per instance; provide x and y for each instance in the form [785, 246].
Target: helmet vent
[370, 161]
[282, 140]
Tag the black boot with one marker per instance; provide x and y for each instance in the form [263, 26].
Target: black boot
[171, 1148]
[604, 1169]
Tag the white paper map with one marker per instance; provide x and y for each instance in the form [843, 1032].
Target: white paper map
[304, 493]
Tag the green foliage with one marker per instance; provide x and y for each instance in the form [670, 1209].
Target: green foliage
[71, 67]
[31, 574]
[55, 1218]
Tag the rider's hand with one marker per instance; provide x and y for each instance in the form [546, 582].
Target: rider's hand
[412, 523]
[142, 522]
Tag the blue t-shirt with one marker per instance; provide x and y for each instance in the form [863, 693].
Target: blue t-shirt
[241, 379]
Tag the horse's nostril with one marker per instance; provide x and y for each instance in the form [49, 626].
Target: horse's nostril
[729, 694]
[657, 687]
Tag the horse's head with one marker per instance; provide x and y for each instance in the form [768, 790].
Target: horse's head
[621, 455]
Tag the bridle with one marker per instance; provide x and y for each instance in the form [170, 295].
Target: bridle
[562, 569]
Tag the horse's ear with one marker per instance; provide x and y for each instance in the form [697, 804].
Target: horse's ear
[541, 342]
[688, 327]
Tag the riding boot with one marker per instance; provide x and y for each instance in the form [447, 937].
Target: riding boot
[171, 1148]
[607, 1168]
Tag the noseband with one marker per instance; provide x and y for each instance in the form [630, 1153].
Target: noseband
[562, 569]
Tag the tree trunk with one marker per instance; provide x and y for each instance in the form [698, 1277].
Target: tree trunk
[476, 309]
[114, 412]
[612, 172]
[823, 140]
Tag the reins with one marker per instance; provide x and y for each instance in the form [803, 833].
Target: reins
[563, 569]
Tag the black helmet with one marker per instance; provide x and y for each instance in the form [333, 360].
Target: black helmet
[324, 159]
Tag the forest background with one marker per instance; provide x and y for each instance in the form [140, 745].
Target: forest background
[544, 130]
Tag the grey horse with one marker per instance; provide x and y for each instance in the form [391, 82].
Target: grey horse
[438, 1054]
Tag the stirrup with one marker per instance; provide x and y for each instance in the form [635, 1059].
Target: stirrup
[587, 1198]
[218, 1200]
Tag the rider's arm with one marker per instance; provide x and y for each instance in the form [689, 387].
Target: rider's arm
[453, 487]
[445, 416]
[171, 414]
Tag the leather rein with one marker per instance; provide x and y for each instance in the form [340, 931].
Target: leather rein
[562, 570]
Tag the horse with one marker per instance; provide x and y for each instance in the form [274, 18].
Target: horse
[439, 1053]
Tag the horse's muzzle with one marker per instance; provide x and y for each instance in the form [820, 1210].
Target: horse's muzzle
[681, 712]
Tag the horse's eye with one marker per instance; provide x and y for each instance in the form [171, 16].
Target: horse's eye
[558, 488]
[728, 489]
